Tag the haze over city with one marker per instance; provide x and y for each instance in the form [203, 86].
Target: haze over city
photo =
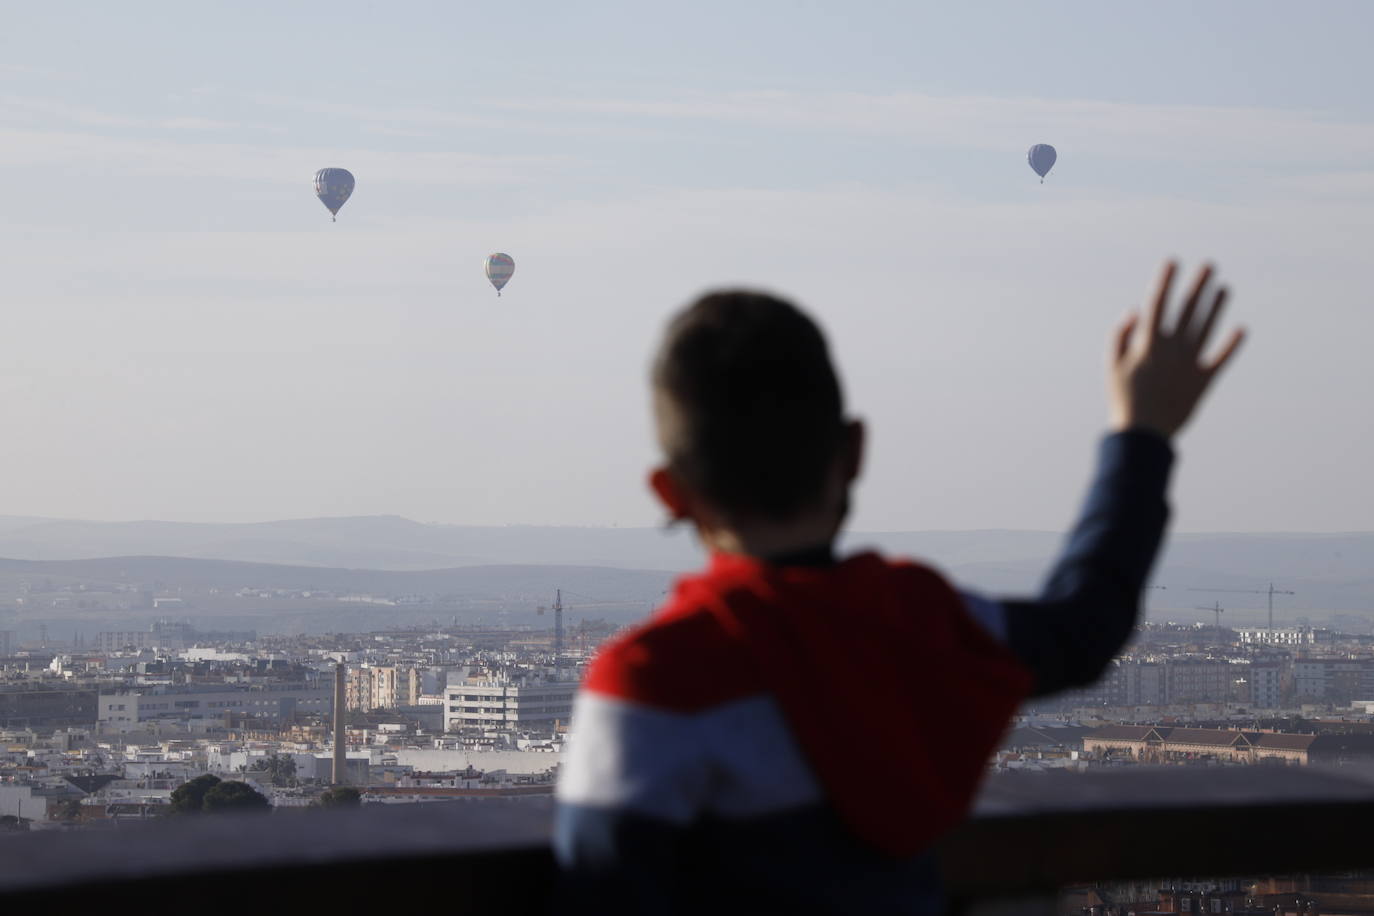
[190, 338]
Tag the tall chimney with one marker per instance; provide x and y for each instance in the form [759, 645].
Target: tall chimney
[340, 741]
[558, 628]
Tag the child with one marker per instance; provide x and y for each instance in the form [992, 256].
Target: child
[793, 730]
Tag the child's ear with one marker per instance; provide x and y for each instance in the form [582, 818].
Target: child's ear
[853, 450]
[669, 493]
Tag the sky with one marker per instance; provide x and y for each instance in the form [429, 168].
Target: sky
[188, 337]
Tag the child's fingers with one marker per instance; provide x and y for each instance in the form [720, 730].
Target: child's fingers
[1154, 313]
[1210, 320]
[1229, 350]
[1122, 338]
[1185, 317]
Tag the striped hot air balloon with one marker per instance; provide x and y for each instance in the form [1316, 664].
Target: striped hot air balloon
[499, 269]
[1041, 157]
[333, 187]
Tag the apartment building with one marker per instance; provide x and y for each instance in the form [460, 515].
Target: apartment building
[370, 687]
[1164, 681]
[1270, 673]
[535, 704]
[163, 634]
[270, 703]
[1334, 679]
[1198, 680]
[1278, 636]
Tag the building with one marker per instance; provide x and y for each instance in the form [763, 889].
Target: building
[1336, 680]
[1269, 674]
[1197, 680]
[1278, 636]
[1161, 682]
[29, 802]
[46, 706]
[163, 634]
[1169, 744]
[535, 703]
[270, 703]
[372, 687]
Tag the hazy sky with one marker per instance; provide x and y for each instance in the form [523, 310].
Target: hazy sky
[188, 337]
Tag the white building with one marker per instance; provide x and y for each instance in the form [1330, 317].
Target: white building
[535, 704]
[457, 760]
[29, 803]
[1278, 636]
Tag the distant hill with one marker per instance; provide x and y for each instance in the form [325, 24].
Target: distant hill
[1330, 572]
[376, 542]
[68, 597]
[476, 582]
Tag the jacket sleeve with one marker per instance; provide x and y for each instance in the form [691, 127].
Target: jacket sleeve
[1089, 604]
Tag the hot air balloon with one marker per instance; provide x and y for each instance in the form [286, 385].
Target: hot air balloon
[333, 187]
[1041, 158]
[499, 269]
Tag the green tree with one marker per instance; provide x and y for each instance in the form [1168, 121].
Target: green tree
[189, 797]
[340, 797]
[68, 810]
[280, 769]
[234, 796]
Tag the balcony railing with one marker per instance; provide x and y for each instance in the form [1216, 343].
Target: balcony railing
[1031, 835]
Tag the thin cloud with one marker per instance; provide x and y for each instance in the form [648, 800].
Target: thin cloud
[170, 158]
[376, 115]
[388, 131]
[1148, 132]
[90, 117]
[45, 72]
[403, 119]
[207, 124]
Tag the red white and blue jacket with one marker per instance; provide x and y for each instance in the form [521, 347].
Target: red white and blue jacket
[797, 733]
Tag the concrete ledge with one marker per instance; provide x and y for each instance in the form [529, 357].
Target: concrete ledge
[1035, 833]
[1031, 834]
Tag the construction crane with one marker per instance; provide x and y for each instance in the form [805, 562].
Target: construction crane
[1271, 591]
[557, 624]
[1216, 609]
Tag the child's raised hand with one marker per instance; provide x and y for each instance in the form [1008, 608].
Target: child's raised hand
[1157, 376]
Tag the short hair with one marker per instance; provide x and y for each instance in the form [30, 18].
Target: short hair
[755, 409]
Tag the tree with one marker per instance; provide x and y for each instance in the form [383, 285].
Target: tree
[189, 797]
[340, 797]
[68, 810]
[281, 769]
[234, 796]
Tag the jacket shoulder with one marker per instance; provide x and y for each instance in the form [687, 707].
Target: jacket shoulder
[681, 661]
